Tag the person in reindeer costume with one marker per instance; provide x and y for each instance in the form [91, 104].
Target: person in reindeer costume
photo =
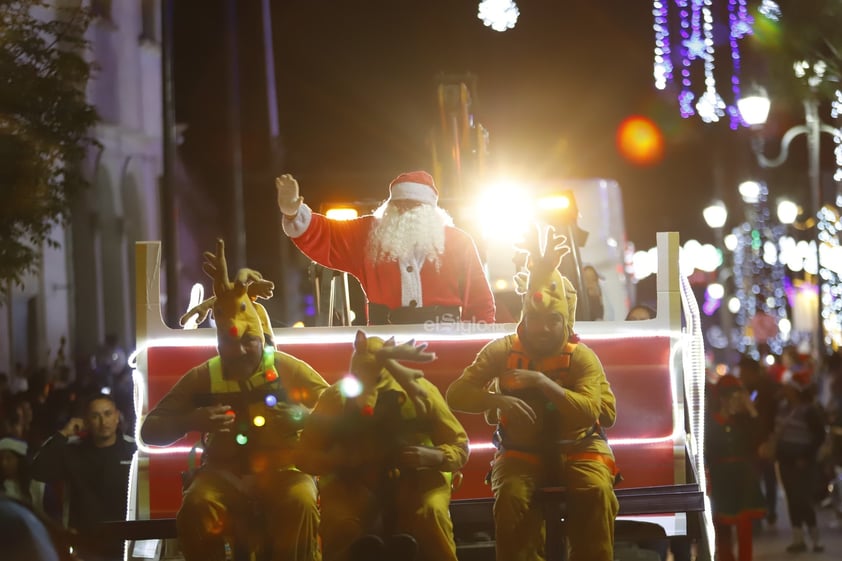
[548, 394]
[248, 403]
[385, 459]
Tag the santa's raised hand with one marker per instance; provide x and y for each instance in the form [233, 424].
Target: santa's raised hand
[289, 199]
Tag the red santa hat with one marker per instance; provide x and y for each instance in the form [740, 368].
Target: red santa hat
[414, 186]
[727, 384]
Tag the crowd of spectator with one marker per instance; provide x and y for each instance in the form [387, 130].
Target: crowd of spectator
[66, 446]
[788, 434]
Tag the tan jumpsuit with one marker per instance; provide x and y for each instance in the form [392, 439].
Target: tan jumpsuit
[580, 460]
[377, 497]
[248, 490]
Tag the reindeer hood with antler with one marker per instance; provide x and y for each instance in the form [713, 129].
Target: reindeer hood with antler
[233, 304]
[541, 285]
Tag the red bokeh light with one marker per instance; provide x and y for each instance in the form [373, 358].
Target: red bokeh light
[640, 141]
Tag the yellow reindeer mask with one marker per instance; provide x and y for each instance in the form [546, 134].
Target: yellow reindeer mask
[541, 285]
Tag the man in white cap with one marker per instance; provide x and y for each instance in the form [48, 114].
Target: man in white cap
[410, 260]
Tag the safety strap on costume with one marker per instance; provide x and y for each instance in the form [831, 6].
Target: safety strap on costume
[266, 374]
[536, 459]
[555, 366]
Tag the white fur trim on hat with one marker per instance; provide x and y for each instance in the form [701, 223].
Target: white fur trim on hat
[19, 447]
[413, 192]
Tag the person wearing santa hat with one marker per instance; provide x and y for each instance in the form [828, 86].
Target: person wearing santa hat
[410, 260]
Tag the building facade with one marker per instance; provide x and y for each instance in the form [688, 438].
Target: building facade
[84, 289]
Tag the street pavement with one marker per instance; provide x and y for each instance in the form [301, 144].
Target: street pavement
[770, 541]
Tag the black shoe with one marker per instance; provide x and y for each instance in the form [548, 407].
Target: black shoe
[368, 548]
[798, 547]
[818, 548]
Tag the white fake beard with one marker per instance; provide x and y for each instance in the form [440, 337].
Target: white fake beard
[418, 232]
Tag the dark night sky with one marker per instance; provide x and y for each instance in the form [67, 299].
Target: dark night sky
[356, 84]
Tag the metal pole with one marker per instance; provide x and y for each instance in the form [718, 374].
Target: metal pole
[275, 153]
[168, 202]
[237, 258]
[811, 115]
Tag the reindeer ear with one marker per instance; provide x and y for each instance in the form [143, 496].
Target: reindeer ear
[360, 342]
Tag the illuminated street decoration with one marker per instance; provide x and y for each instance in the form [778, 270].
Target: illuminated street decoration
[770, 10]
[499, 15]
[836, 113]
[684, 40]
[829, 227]
[758, 273]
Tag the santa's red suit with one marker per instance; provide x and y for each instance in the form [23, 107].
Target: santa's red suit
[342, 245]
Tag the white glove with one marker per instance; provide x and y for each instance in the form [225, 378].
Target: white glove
[289, 201]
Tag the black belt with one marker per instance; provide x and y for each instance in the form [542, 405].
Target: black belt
[379, 314]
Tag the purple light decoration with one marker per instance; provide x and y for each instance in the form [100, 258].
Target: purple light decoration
[685, 103]
[686, 96]
[711, 305]
[663, 53]
[740, 23]
[694, 43]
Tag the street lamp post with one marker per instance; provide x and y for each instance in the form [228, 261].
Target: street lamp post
[755, 110]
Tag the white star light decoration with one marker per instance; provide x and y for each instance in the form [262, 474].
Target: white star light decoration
[499, 15]
[683, 39]
[770, 10]
[696, 47]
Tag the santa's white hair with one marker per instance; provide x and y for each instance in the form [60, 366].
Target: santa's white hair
[418, 231]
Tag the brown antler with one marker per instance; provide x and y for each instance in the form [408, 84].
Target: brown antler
[261, 288]
[405, 351]
[216, 267]
[555, 248]
[541, 259]
[248, 277]
[202, 309]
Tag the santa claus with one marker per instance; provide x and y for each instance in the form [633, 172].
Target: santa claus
[410, 260]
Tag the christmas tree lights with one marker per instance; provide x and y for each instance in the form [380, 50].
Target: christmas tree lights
[759, 273]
